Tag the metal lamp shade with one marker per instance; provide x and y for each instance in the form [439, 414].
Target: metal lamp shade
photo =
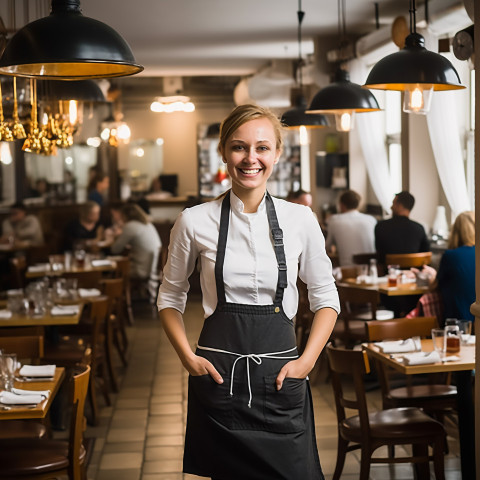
[81, 90]
[67, 45]
[343, 96]
[413, 65]
[297, 116]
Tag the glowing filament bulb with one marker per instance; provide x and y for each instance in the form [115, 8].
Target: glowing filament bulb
[73, 112]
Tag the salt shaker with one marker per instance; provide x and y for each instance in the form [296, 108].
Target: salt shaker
[373, 272]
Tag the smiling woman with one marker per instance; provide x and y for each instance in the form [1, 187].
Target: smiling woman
[249, 401]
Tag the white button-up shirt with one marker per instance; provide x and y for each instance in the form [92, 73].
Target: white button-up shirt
[250, 270]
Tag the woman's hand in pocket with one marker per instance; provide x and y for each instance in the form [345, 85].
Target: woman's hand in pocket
[293, 369]
[197, 366]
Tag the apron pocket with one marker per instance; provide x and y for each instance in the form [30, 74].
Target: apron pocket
[284, 409]
[214, 398]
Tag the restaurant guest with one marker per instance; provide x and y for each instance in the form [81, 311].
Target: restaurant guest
[142, 239]
[21, 227]
[301, 197]
[85, 227]
[98, 188]
[455, 279]
[400, 234]
[350, 231]
[249, 404]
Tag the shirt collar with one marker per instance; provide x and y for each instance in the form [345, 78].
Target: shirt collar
[237, 205]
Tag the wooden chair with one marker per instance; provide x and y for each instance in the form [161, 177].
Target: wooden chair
[408, 260]
[47, 458]
[367, 431]
[87, 347]
[123, 271]
[26, 347]
[433, 398]
[85, 279]
[357, 306]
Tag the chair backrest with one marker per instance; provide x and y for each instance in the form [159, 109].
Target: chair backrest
[18, 267]
[351, 364]
[349, 271]
[77, 425]
[400, 328]
[98, 314]
[362, 258]
[408, 260]
[113, 289]
[25, 346]
[353, 299]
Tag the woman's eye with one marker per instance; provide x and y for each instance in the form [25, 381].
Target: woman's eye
[237, 148]
[263, 148]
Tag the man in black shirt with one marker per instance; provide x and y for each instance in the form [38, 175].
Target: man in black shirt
[399, 234]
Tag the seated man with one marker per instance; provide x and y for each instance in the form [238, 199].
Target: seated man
[350, 231]
[22, 227]
[86, 227]
[399, 234]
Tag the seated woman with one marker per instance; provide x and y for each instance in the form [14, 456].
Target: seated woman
[85, 227]
[455, 279]
[141, 236]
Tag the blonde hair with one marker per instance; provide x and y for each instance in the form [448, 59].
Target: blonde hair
[243, 114]
[131, 211]
[463, 231]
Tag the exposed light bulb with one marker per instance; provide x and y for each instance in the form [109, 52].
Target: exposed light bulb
[303, 135]
[68, 160]
[105, 134]
[73, 111]
[417, 99]
[139, 152]
[123, 132]
[345, 121]
[159, 141]
[5, 154]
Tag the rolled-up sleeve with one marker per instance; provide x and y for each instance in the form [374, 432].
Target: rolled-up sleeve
[182, 255]
[315, 268]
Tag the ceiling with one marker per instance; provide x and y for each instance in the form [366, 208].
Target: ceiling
[226, 37]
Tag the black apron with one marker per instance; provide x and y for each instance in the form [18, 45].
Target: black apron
[244, 429]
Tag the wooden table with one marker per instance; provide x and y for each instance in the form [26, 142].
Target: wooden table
[401, 289]
[462, 370]
[47, 271]
[21, 412]
[32, 321]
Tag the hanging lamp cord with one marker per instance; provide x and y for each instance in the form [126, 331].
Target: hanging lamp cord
[413, 19]
[300, 15]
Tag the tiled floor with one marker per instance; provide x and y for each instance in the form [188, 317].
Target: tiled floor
[141, 436]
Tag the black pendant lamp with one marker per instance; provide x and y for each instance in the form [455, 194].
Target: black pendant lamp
[343, 98]
[297, 117]
[69, 46]
[414, 70]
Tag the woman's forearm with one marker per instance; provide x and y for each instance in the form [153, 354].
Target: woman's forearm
[322, 326]
[172, 322]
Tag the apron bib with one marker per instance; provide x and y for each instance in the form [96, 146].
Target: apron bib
[244, 429]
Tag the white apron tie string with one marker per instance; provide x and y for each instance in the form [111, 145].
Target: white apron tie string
[256, 357]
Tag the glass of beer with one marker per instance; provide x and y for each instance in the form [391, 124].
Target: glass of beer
[392, 278]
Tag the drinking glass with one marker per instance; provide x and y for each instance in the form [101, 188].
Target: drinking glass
[465, 327]
[438, 340]
[9, 367]
[15, 301]
[452, 339]
[393, 271]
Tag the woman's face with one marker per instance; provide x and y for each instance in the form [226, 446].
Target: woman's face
[250, 154]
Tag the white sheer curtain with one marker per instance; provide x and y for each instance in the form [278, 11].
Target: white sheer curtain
[447, 150]
[370, 133]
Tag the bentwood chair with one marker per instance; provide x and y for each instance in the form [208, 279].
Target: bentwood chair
[357, 305]
[367, 431]
[433, 398]
[34, 458]
[408, 260]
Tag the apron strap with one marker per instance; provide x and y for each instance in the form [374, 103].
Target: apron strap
[277, 237]
[221, 247]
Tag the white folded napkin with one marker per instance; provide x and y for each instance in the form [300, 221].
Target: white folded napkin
[89, 292]
[61, 310]
[101, 263]
[21, 391]
[9, 398]
[39, 268]
[37, 371]
[397, 346]
[471, 340]
[421, 358]
[5, 314]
